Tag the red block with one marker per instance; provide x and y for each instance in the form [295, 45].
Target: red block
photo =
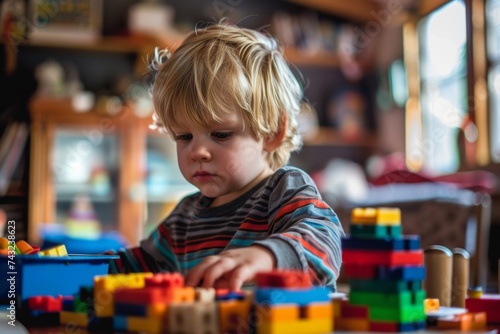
[45, 303]
[283, 279]
[383, 257]
[353, 311]
[489, 303]
[165, 280]
[149, 295]
[361, 272]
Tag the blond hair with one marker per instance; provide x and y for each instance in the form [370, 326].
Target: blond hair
[223, 67]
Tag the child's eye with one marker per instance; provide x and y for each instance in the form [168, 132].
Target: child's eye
[184, 137]
[221, 135]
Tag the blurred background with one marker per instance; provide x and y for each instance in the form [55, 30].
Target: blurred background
[405, 98]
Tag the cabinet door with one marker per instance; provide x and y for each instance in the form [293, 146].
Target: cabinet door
[164, 183]
[85, 180]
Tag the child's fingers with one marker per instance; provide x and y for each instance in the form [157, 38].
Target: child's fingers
[196, 274]
[217, 270]
[239, 276]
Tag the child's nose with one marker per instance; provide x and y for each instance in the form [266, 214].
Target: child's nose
[200, 151]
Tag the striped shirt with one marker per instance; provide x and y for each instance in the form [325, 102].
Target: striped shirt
[284, 213]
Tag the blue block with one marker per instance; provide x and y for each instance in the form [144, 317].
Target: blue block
[406, 273]
[302, 297]
[131, 309]
[412, 326]
[68, 305]
[120, 323]
[408, 242]
[231, 295]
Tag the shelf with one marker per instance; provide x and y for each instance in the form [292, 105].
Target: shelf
[366, 10]
[332, 137]
[121, 44]
[306, 58]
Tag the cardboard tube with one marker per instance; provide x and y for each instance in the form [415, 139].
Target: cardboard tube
[460, 277]
[438, 270]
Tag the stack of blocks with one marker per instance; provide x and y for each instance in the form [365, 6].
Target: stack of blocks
[385, 271]
[286, 302]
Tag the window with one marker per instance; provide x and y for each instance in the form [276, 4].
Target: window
[493, 53]
[443, 73]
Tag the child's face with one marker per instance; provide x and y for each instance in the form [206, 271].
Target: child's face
[223, 160]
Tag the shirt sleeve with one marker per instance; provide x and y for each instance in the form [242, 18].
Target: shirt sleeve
[305, 233]
[154, 254]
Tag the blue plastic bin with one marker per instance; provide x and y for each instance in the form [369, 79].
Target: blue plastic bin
[50, 275]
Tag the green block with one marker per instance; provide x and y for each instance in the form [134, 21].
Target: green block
[375, 231]
[80, 306]
[383, 299]
[384, 285]
[412, 313]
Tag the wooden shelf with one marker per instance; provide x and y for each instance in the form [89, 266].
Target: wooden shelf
[365, 10]
[332, 137]
[306, 58]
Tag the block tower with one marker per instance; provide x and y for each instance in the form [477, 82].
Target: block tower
[385, 271]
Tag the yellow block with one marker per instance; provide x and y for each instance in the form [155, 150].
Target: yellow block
[234, 315]
[54, 251]
[73, 318]
[431, 304]
[157, 311]
[296, 327]
[316, 311]
[104, 286]
[376, 216]
[283, 312]
[145, 325]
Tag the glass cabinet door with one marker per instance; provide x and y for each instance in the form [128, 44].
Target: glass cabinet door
[84, 174]
[164, 183]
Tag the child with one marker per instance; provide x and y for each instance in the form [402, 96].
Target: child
[229, 100]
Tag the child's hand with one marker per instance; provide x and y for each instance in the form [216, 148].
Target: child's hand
[232, 268]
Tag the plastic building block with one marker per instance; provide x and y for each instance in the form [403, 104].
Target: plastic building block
[403, 314]
[165, 280]
[225, 294]
[348, 310]
[464, 322]
[408, 242]
[193, 318]
[154, 311]
[488, 303]
[45, 303]
[431, 304]
[283, 279]
[383, 258]
[120, 323]
[74, 319]
[296, 327]
[154, 295]
[234, 316]
[271, 313]
[24, 247]
[376, 216]
[352, 324]
[104, 287]
[54, 251]
[372, 272]
[383, 299]
[385, 285]
[315, 311]
[375, 231]
[145, 325]
[204, 294]
[270, 296]
[387, 326]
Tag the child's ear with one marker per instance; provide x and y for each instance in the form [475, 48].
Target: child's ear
[272, 142]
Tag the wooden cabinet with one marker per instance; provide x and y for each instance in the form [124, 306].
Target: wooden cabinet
[107, 158]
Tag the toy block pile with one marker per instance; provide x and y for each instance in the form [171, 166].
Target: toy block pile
[286, 302]
[385, 272]
[283, 302]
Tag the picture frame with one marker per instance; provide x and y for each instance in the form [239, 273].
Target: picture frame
[75, 21]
